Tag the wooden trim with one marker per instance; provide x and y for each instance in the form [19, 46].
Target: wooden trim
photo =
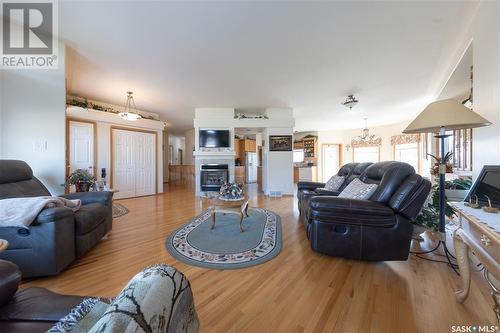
[112, 152]
[94, 124]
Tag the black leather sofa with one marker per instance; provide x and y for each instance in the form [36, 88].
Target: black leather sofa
[58, 235]
[307, 190]
[378, 229]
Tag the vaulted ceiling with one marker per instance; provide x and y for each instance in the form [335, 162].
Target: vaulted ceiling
[394, 56]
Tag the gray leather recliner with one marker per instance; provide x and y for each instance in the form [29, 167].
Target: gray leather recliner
[58, 235]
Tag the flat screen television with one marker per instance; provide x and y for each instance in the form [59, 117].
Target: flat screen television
[215, 139]
[487, 185]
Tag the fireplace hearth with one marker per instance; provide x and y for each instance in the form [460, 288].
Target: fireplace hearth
[213, 176]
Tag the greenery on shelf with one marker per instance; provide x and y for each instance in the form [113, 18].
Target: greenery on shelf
[458, 184]
[80, 176]
[429, 215]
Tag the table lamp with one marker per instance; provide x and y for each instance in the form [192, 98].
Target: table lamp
[439, 117]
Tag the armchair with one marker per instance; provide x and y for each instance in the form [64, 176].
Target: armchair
[376, 229]
[57, 236]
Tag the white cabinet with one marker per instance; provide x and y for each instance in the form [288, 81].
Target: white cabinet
[307, 174]
[134, 163]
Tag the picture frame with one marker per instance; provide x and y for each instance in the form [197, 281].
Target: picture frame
[280, 143]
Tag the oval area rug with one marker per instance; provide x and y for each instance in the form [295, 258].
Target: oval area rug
[225, 247]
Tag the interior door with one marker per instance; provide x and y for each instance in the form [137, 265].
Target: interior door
[331, 160]
[134, 163]
[123, 164]
[145, 153]
[81, 146]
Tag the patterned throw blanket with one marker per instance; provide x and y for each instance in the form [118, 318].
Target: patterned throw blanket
[21, 212]
[158, 299]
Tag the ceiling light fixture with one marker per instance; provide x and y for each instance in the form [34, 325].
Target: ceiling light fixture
[350, 102]
[366, 137]
[130, 111]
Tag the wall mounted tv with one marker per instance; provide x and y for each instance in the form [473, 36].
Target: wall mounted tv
[215, 139]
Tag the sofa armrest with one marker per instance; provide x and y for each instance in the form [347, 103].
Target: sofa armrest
[104, 197]
[324, 191]
[309, 185]
[351, 211]
[10, 277]
[54, 214]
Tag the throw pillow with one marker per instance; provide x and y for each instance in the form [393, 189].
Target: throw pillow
[358, 190]
[334, 183]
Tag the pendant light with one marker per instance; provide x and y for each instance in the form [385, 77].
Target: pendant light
[130, 111]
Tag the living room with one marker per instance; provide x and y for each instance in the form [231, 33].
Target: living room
[250, 166]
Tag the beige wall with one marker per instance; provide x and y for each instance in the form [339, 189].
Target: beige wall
[386, 149]
[189, 142]
[166, 169]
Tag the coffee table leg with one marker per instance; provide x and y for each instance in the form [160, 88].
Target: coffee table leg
[213, 219]
[241, 222]
[246, 209]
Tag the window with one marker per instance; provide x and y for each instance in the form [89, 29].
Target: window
[298, 156]
[366, 154]
[460, 143]
[407, 152]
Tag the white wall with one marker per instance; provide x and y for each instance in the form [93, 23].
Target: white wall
[277, 165]
[33, 121]
[486, 58]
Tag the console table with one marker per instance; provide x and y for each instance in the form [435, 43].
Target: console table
[478, 231]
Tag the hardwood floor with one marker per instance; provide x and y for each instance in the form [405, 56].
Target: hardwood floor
[298, 291]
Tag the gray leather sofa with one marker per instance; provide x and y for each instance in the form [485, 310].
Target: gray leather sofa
[57, 236]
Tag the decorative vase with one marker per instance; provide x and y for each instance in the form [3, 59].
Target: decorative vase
[82, 186]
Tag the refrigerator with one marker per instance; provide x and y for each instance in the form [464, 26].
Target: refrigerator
[251, 164]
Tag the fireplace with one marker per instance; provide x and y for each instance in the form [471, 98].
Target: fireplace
[212, 176]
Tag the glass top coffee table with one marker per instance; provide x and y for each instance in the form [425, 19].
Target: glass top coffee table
[238, 207]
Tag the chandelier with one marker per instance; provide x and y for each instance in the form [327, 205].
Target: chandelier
[366, 137]
[350, 102]
[130, 111]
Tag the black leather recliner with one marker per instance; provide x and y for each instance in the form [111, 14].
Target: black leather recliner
[377, 229]
[307, 190]
[57, 236]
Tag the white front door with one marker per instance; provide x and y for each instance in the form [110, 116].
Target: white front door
[331, 160]
[134, 163]
[81, 146]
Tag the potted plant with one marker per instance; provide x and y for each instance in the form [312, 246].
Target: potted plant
[428, 218]
[82, 180]
[456, 189]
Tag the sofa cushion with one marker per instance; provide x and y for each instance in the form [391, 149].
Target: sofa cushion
[88, 217]
[358, 190]
[334, 183]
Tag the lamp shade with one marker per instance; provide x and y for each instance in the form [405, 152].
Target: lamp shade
[448, 114]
